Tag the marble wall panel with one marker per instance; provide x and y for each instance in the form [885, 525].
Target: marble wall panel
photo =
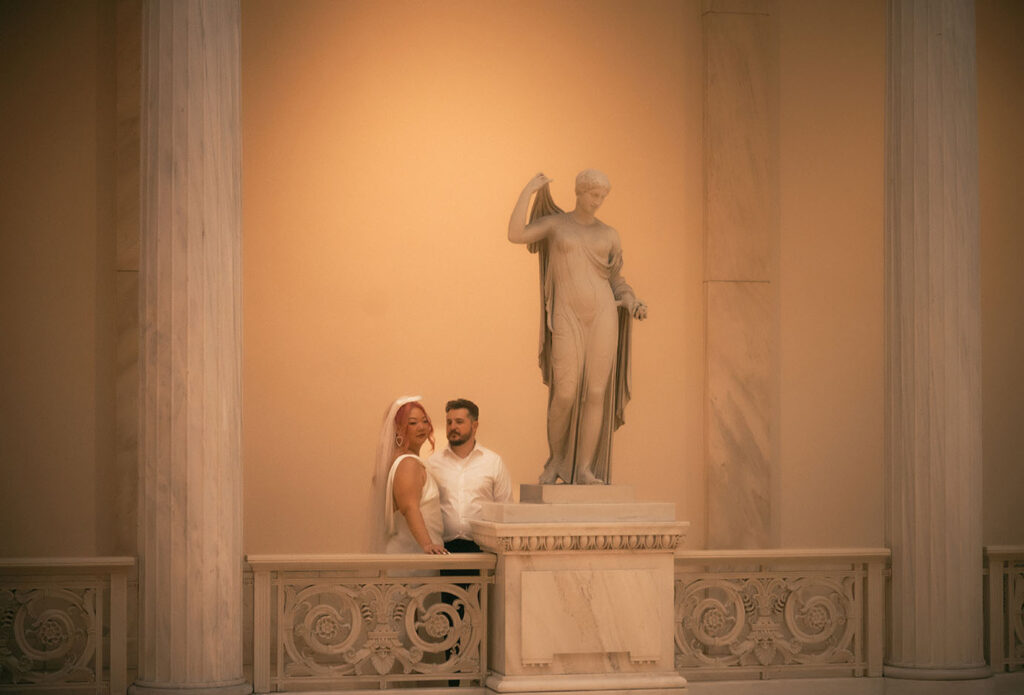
[590, 611]
[529, 582]
[741, 135]
[122, 487]
[741, 250]
[129, 63]
[741, 385]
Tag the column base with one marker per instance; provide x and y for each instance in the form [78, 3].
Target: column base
[937, 674]
[233, 688]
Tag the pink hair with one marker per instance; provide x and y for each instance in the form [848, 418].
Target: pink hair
[402, 420]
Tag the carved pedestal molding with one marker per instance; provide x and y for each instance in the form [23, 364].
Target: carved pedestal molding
[190, 520]
[933, 343]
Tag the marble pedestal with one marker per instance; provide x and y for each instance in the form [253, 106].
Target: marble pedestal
[583, 594]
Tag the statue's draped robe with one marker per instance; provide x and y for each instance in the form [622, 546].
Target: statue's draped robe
[563, 445]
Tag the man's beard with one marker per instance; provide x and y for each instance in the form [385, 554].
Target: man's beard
[458, 442]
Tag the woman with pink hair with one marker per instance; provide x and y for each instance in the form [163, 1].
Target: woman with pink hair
[408, 519]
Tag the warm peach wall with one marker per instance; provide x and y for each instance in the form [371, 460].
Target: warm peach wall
[832, 58]
[56, 274]
[833, 77]
[339, 175]
[384, 147]
[1000, 24]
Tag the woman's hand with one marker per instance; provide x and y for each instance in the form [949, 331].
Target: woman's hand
[434, 549]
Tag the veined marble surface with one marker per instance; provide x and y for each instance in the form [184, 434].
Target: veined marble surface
[571, 611]
[741, 242]
[740, 393]
[589, 612]
[582, 605]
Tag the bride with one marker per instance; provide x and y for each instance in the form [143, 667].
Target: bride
[408, 518]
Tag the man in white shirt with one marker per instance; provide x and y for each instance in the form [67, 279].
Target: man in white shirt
[467, 475]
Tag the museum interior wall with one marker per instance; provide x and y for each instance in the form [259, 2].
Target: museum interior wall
[57, 341]
[1001, 142]
[384, 165]
[383, 147]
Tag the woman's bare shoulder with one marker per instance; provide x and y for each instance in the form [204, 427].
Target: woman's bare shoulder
[409, 462]
[409, 469]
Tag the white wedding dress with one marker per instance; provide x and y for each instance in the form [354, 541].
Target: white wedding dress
[400, 538]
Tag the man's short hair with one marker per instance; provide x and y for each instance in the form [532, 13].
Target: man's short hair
[474, 412]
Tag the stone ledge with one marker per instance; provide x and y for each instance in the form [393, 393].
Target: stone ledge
[511, 513]
[578, 684]
[574, 494]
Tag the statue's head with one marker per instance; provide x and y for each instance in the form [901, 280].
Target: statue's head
[592, 178]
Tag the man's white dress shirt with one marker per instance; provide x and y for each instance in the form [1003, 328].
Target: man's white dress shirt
[465, 483]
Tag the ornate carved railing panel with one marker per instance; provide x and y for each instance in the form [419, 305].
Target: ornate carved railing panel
[369, 621]
[1005, 617]
[772, 613]
[53, 619]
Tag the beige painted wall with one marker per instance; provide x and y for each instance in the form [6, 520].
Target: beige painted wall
[333, 153]
[384, 147]
[378, 158]
[56, 275]
[355, 162]
[1001, 152]
[832, 83]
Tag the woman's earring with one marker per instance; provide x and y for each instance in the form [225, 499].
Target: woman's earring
[399, 441]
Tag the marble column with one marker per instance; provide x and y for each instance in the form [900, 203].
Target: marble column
[741, 242]
[190, 496]
[933, 343]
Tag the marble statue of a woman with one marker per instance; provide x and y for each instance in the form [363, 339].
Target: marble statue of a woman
[586, 313]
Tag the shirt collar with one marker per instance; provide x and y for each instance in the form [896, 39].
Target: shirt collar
[448, 453]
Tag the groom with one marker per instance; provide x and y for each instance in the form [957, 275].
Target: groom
[467, 475]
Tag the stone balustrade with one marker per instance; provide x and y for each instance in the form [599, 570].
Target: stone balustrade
[1005, 607]
[379, 622]
[64, 623]
[369, 621]
[780, 613]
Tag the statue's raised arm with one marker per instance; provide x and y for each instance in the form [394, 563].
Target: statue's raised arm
[519, 232]
[587, 309]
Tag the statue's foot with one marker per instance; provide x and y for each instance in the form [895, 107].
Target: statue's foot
[588, 478]
[548, 477]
